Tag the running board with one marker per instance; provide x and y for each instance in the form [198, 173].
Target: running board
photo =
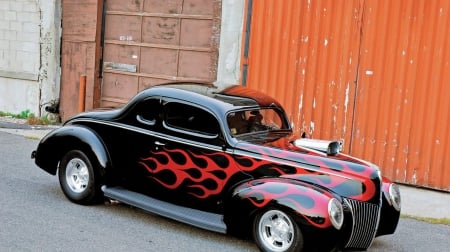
[201, 219]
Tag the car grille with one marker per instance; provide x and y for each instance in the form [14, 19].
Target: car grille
[365, 223]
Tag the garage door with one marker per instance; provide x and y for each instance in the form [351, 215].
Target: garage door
[147, 42]
[373, 73]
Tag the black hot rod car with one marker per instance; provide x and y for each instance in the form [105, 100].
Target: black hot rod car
[223, 160]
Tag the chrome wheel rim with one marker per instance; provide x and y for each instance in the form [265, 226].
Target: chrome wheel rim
[276, 231]
[77, 175]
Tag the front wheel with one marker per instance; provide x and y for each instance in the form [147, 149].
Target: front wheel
[77, 178]
[274, 230]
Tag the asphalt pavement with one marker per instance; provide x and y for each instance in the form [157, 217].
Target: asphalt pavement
[418, 202]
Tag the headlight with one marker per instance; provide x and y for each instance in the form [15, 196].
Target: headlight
[336, 213]
[394, 196]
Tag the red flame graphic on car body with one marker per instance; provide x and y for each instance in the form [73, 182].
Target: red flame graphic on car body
[311, 203]
[205, 173]
[330, 172]
[182, 165]
[186, 169]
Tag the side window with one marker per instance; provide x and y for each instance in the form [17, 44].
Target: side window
[149, 111]
[192, 119]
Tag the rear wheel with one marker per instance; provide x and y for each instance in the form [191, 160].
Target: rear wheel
[274, 230]
[78, 179]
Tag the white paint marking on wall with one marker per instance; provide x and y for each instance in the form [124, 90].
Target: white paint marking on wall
[125, 38]
[414, 177]
[300, 104]
[311, 127]
[347, 92]
[369, 72]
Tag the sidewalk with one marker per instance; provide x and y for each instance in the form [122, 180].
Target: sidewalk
[32, 133]
[417, 202]
[427, 203]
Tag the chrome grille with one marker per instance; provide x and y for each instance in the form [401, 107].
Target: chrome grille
[365, 223]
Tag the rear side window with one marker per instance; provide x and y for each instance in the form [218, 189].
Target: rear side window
[192, 119]
[149, 111]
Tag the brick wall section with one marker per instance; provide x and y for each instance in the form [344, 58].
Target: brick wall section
[19, 39]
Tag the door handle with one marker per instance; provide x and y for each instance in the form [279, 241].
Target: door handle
[158, 143]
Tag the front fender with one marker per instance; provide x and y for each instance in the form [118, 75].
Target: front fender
[306, 203]
[389, 216]
[58, 142]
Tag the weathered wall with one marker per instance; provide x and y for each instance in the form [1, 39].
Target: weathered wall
[145, 42]
[29, 54]
[80, 53]
[228, 71]
[150, 42]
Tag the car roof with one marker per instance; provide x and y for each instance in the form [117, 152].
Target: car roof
[230, 97]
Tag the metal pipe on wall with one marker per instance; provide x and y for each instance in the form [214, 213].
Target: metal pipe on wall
[82, 94]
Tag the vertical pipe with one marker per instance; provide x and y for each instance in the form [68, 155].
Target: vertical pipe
[246, 42]
[82, 93]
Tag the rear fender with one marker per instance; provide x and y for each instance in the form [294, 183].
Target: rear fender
[57, 143]
[306, 203]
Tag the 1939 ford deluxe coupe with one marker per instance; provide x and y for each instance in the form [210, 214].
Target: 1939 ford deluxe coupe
[224, 160]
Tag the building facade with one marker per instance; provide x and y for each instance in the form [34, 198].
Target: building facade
[371, 73]
[29, 55]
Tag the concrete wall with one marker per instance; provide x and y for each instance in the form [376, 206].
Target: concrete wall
[29, 54]
[228, 71]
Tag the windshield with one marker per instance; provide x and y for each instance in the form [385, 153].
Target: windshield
[256, 121]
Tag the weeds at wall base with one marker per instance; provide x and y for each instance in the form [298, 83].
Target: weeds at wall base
[30, 118]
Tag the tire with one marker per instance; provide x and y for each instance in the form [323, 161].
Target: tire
[78, 179]
[274, 230]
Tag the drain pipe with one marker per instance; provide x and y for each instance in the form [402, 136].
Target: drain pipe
[82, 94]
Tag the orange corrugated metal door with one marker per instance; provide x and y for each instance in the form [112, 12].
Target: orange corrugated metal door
[402, 105]
[305, 54]
[374, 73]
[149, 42]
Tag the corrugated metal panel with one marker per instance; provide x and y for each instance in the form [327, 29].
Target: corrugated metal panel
[373, 73]
[402, 105]
[305, 54]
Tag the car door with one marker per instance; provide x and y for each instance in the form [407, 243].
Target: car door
[187, 162]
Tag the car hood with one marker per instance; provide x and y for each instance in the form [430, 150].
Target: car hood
[342, 174]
